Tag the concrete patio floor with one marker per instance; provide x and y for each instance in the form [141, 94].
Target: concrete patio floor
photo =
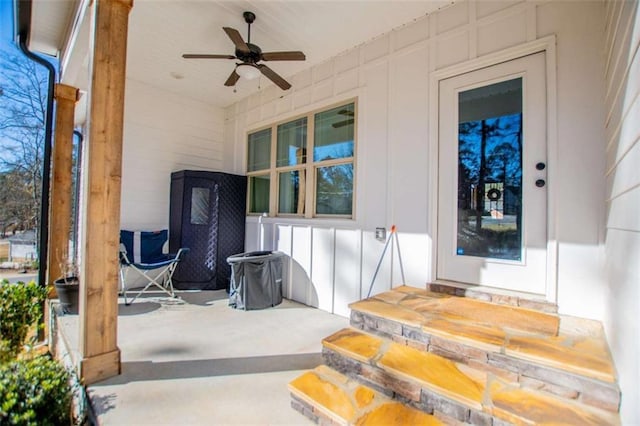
[196, 361]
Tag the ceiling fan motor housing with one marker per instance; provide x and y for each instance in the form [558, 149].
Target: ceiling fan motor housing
[254, 55]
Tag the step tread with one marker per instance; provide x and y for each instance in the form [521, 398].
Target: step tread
[471, 387]
[346, 401]
[431, 304]
[490, 327]
[435, 372]
[584, 356]
[361, 346]
[517, 406]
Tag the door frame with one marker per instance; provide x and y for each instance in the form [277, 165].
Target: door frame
[548, 46]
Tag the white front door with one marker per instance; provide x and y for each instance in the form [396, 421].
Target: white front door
[492, 190]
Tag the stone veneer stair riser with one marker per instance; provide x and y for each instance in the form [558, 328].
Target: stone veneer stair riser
[460, 361]
[462, 290]
[492, 352]
[327, 397]
[431, 383]
[561, 383]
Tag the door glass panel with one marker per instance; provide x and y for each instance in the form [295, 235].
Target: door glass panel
[490, 171]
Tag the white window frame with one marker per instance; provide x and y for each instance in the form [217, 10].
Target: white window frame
[310, 166]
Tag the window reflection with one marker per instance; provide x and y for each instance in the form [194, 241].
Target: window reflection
[333, 136]
[259, 193]
[292, 143]
[490, 171]
[291, 194]
[259, 150]
[334, 189]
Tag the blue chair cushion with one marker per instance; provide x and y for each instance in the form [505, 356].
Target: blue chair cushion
[145, 246]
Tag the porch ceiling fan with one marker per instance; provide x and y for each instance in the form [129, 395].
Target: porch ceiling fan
[250, 56]
[347, 113]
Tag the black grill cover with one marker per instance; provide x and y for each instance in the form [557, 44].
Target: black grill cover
[256, 280]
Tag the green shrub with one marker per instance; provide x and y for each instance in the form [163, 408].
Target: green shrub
[21, 307]
[35, 391]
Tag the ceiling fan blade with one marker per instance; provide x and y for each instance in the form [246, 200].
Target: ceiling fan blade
[346, 112]
[273, 76]
[206, 56]
[236, 38]
[342, 123]
[233, 78]
[283, 56]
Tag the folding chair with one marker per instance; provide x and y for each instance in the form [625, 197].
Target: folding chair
[142, 252]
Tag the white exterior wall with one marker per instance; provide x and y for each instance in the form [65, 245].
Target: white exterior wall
[163, 133]
[578, 178]
[334, 261]
[622, 246]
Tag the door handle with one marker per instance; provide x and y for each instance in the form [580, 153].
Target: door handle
[540, 183]
[540, 166]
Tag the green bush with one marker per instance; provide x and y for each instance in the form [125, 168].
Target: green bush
[35, 391]
[21, 307]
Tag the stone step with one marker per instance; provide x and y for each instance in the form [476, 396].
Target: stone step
[493, 295]
[434, 384]
[575, 363]
[442, 305]
[328, 397]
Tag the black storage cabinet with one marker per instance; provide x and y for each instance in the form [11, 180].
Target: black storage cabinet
[256, 280]
[207, 215]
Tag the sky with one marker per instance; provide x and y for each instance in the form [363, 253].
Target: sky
[6, 34]
[6, 21]
[8, 49]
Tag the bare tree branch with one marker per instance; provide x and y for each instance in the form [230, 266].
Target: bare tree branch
[23, 103]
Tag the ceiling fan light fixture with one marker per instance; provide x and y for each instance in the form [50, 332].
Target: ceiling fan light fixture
[250, 57]
[248, 71]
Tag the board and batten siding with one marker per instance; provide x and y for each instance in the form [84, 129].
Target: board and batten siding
[622, 247]
[333, 262]
[163, 133]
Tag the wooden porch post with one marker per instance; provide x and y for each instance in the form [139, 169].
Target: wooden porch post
[99, 270]
[60, 210]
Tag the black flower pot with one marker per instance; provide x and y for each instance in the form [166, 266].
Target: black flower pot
[67, 290]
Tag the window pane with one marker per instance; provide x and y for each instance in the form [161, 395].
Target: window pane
[259, 194]
[490, 171]
[291, 192]
[334, 189]
[292, 143]
[199, 206]
[259, 150]
[333, 135]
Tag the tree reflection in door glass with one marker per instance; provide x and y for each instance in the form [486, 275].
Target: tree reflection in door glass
[490, 171]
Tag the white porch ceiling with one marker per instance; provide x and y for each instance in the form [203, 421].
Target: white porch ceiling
[160, 31]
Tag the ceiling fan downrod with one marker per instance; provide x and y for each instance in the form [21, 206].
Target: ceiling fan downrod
[249, 17]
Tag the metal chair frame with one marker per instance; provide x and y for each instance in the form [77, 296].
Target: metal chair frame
[158, 274]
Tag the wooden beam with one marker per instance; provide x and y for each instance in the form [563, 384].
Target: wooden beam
[99, 269]
[61, 198]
